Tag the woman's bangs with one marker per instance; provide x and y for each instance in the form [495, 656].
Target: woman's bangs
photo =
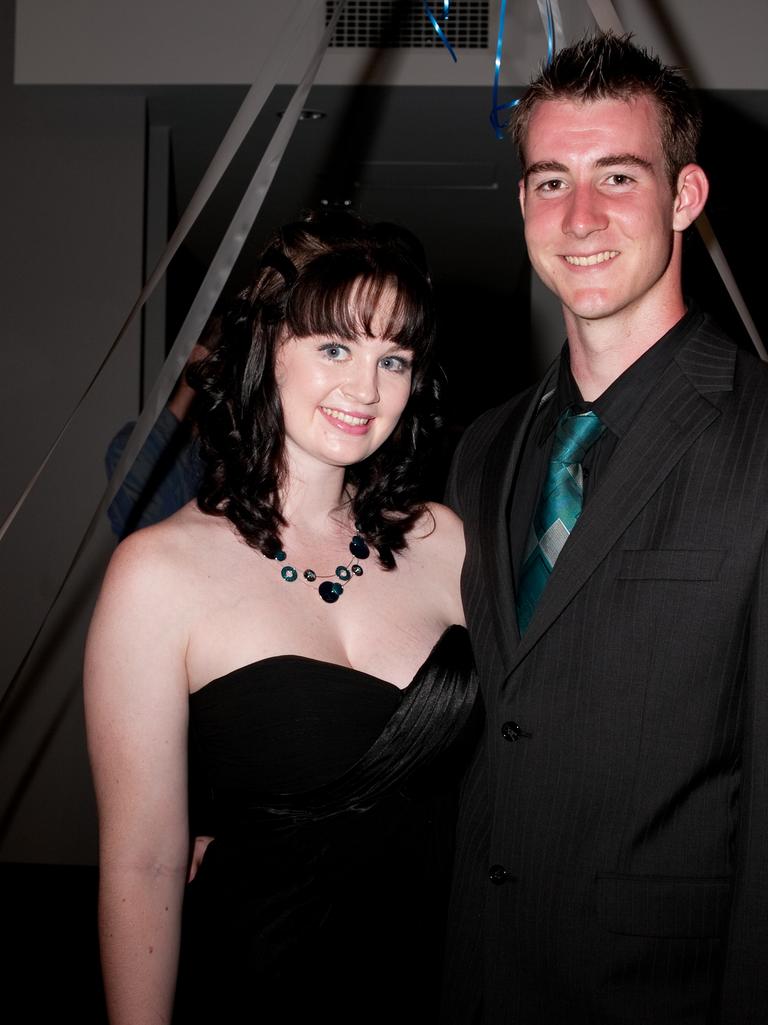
[345, 306]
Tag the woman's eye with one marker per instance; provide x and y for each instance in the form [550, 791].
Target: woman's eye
[397, 364]
[334, 352]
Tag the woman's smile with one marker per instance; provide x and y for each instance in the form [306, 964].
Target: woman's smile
[356, 423]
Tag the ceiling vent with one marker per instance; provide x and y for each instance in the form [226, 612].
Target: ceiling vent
[404, 23]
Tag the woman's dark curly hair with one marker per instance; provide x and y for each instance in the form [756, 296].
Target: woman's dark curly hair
[324, 275]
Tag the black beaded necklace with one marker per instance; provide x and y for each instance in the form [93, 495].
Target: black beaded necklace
[331, 588]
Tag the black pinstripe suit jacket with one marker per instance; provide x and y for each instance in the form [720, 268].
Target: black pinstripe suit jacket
[613, 848]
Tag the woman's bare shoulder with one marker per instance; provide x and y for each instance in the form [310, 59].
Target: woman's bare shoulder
[436, 542]
[163, 560]
[439, 528]
[152, 595]
[436, 554]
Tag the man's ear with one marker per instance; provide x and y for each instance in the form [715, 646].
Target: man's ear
[521, 196]
[690, 196]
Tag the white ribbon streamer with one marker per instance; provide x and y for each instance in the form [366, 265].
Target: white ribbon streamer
[606, 17]
[557, 18]
[219, 270]
[718, 258]
[202, 305]
[230, 144]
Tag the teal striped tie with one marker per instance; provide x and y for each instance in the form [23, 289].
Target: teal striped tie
[558, 509]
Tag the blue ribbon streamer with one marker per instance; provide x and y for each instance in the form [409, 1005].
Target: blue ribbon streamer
[497, 125]
[436, 26]
[550, 34]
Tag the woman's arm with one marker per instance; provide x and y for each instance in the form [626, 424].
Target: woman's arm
[136, 699]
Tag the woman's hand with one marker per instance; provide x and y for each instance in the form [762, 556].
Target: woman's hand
[199, 848]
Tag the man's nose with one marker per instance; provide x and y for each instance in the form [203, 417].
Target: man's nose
[584, 212]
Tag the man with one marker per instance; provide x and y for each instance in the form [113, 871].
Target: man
[168, 469]
[613, 856]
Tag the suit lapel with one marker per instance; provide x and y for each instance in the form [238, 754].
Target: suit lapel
[669, 423]
[498, 476]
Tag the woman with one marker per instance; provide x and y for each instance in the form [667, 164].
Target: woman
[326, 694]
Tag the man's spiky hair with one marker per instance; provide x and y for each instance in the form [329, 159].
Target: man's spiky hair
[607, 66]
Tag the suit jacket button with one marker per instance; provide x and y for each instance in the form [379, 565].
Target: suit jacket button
[498, 874]
[513, 731]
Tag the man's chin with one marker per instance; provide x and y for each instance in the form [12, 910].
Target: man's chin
[590, 308]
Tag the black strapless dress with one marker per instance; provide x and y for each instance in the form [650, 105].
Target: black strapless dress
[324, 893]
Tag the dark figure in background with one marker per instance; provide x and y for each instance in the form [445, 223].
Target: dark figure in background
[613, 838]
[166, 473]
[329, 707]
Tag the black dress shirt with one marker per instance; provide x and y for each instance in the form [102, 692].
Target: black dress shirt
[617, 408]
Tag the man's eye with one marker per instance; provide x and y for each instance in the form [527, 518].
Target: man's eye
[621, 179]
[552, 185]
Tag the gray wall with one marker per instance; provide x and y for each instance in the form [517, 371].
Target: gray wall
[71, 202]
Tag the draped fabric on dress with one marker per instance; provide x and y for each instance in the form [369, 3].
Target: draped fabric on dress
[334, 798]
